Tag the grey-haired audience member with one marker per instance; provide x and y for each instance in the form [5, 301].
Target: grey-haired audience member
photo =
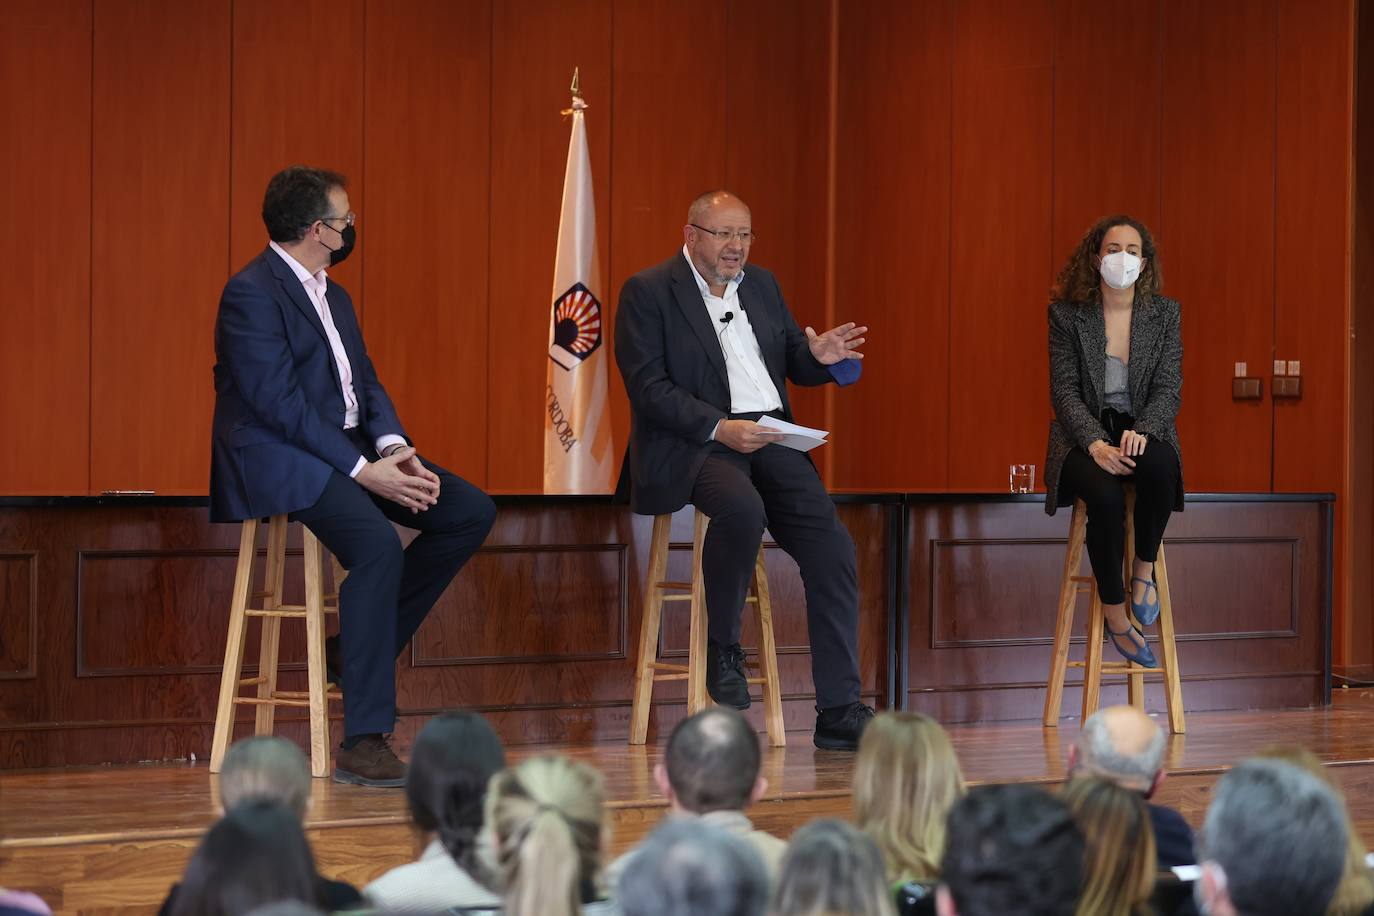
[833, 867]
[265, 766]
[1125, 746]
[688, 867]
[1273, 843]
[1010, 849]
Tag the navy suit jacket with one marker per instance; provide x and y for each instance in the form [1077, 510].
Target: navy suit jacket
[279, 410]
[670, 358]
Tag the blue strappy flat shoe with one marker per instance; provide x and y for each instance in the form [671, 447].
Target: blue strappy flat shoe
[1146, 612]
[1142, 656]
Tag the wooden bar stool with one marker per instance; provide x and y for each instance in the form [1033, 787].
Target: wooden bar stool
[271, 612]
[1071, 585]
[648, 667]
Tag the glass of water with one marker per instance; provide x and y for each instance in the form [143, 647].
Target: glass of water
[1022, 478]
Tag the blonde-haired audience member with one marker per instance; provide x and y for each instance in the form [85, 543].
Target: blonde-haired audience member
[1355, 894]
[545, 819]
[906, 778]
[832, 867]
[1119, 864]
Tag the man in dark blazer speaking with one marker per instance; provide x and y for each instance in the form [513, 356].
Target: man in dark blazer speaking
[303, 426]
[706, 348]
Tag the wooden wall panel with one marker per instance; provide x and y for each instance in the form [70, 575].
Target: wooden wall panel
[1359, 504]
[1000, 239]
[892, 239]
[160, 238]
[1217, 229]
[1106, 120]
[18, 615]
[295, 102]
[45, 94]
[424, 236]
[532, 66]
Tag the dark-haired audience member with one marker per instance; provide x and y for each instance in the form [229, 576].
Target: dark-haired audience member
[1355, 895]
[711, 770]
[1010, 849]
[832, 867]
[687, 867]
[454, 757]
[545, 817]
[1119, 867]
[256, 854]
[906, 778]
[1124, 745]
[1273, 843]
[267, 768]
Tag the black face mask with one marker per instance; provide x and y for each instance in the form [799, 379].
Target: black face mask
[350, 238]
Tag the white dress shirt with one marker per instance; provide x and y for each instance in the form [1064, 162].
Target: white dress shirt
[751, 387]
[315, 286]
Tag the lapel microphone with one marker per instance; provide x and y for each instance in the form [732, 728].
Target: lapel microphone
[727, 318]
[724, 325]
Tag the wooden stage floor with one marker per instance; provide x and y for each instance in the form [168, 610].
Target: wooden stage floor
[111, 839]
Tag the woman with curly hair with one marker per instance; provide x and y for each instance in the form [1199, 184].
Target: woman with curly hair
[1116, 369]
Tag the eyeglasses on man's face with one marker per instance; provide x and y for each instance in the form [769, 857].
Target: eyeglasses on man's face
[745, 236]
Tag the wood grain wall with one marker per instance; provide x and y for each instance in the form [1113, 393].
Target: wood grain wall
[924, 167]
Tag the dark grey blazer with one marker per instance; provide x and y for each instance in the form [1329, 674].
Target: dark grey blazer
[1078, 381]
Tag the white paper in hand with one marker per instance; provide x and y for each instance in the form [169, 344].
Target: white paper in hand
[801, 438]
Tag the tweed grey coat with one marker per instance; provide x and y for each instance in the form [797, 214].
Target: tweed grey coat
[1078, 381]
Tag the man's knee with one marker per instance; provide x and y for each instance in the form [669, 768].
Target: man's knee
[376, 545]
[743, 517]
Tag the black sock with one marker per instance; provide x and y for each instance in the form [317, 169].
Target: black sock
[351, 740]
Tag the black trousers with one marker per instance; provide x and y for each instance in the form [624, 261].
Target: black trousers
[778, 488]
[389, 591]
[1156, 480]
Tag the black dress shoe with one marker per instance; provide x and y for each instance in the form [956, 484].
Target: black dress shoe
[333, 661]
[840, 727]
[725, 680]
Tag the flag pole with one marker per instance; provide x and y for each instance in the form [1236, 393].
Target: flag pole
[578, 103]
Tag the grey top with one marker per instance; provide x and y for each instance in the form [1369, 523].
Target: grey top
[1117, 395]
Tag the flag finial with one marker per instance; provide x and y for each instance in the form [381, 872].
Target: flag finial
[578, 103]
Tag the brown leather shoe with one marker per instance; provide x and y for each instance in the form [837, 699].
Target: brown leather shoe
[370, 762]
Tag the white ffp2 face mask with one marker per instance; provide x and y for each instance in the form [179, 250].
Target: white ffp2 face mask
[1120, 269]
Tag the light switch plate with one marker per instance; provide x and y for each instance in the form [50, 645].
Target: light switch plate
[1294, 367]
[1280, 367]
[1241, 370]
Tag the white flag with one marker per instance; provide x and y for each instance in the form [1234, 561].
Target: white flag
[577, 424]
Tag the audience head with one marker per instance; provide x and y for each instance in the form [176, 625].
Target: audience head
[906, 778]
[1119, 865]
[688, 867]
[265, 768]
[1122, 744]
[712, 763]
[1356, 891]
[454, 758]
[1010, 849]
[832, 867]
[256, 854]
[1274, 842]
[545, 818]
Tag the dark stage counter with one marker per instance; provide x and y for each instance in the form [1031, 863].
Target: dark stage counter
[113, 613]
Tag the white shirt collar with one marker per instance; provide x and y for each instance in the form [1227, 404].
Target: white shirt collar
[299, 269]
[701, 282]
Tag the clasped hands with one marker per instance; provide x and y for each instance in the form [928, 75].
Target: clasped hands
[1115, 459]
[402, 478]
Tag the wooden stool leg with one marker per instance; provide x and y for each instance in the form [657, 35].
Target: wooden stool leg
[1092, 658]
[314, 649]
[1135, 683]
[697, 700]
[1063, 625]
[271, 626]
[768, 657]
[233, 649]
[1173, 681]
[649, 629]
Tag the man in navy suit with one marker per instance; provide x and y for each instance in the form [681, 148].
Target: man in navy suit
[706, 348]
[303, 426]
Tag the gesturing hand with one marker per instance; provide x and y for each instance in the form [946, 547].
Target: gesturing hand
[1110, 459]
[389, 478]
[836, 344]
[745, 435]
